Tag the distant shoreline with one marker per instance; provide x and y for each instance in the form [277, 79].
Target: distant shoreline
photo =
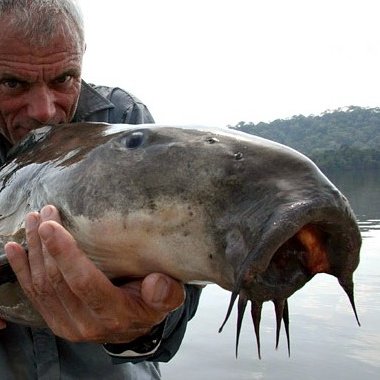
[344, 139]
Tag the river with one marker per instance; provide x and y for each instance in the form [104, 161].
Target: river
[326, 342]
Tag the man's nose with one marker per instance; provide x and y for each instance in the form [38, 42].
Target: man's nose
[41, 105]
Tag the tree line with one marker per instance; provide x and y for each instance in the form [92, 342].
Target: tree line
[346, 138]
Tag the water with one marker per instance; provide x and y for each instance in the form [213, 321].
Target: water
[326, 342]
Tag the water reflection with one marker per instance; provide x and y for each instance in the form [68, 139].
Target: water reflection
[363, 191]
[326, 342]
[368, 225]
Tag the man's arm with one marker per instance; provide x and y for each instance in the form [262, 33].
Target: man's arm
[164, 342]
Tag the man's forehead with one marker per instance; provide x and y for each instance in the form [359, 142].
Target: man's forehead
[14, 46]
[19, 59]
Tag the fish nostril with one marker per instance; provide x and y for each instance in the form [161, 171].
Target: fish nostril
[238, 156]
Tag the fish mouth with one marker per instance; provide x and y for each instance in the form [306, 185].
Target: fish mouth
[288, 256]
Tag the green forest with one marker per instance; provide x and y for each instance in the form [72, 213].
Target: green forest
[346, 138]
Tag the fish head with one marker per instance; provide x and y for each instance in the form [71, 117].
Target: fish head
[273, 218]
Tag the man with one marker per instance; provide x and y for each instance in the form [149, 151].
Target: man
[41, 50]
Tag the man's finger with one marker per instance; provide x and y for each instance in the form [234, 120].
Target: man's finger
[50, 212]
[35, 258]
[162, 292]
[79, 272]
[19, 263]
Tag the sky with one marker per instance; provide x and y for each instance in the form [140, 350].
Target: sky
[219, 62]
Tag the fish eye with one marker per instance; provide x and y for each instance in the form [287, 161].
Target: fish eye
[133, 140]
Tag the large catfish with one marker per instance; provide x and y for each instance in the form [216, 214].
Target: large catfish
[201, 205]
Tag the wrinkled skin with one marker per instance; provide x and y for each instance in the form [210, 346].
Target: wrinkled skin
[200, 205]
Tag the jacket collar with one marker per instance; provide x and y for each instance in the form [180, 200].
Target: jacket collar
[90, 101]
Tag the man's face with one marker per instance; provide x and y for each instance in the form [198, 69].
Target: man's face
[38, 85]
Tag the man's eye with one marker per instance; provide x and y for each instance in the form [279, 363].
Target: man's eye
[63, 79]
[11, 83]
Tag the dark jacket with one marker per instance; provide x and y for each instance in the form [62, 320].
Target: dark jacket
[28, 353]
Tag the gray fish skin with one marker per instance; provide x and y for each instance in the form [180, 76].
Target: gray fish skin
[199, 204]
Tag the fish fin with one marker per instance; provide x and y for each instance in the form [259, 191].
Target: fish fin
[348, 287]
[256, 308]
[232, 302]
[242, 303]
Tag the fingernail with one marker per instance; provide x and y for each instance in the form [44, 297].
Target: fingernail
[45, 231]
[31, 221]
[161, 290]
[46, 212]
[9, 249]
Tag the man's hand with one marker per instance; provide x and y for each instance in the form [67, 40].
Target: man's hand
[76, 299]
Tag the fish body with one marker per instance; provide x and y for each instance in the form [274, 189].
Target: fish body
[199, 204]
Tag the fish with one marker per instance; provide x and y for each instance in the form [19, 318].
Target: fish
[200, 204]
